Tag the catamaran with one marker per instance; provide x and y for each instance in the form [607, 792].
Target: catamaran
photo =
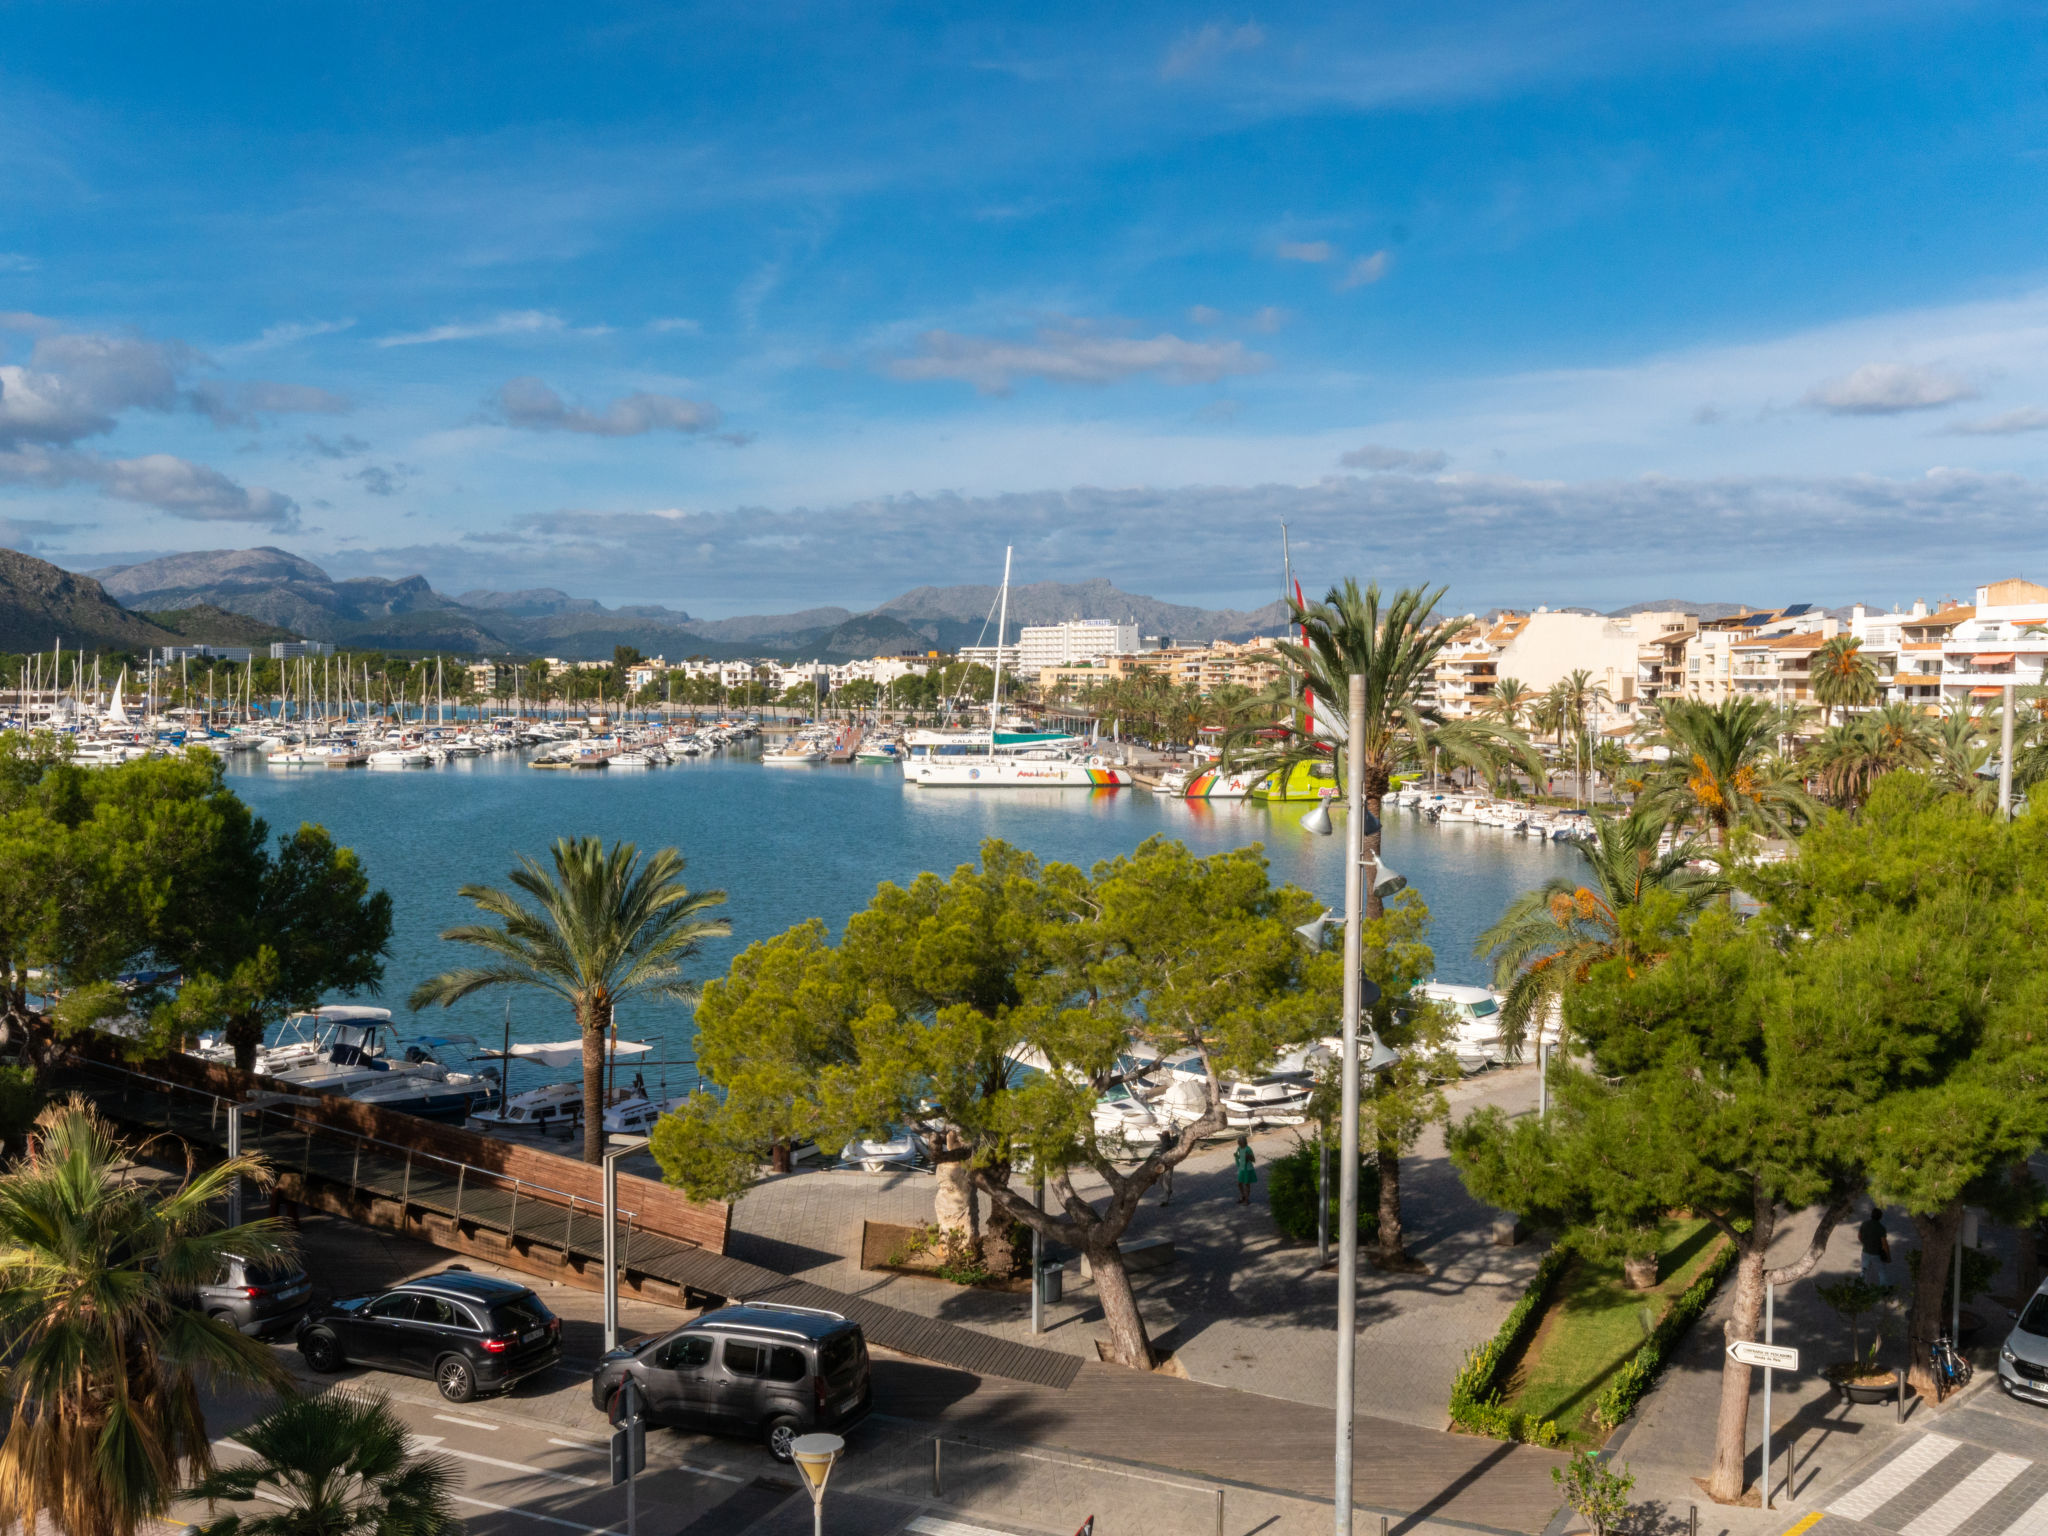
[998, 759]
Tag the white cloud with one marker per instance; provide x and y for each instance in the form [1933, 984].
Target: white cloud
[195, 492]
[74, 385]
[1887, 389]
[1193, 51]
[1367, 269]
[528, 402]
[2027, 418]
[1202, 314]
[289, 333]
[239, 405]
[677, 323]
[1305, 250]
[1073, 356]
[518, 322]
[1373, 456]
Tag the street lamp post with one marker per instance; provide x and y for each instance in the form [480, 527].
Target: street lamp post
[814, 1456]
[620, 1146]
[255, 1101]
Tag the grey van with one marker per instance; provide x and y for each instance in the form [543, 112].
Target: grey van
[2023, 1358]
[765, 1370]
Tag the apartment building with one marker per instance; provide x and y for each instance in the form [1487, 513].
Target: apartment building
[1253, 664]
[1998, 642]
[1058, 645]
[1660, 658]
[1710, 655]
[1542, 649]
[989, 655]
[1778, 668]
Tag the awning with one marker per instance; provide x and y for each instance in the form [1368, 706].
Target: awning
[1986, 693]
[564, 1053]
[1994, 658]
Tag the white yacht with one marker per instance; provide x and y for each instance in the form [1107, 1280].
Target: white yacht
[1265, 1101]
[355, 1061]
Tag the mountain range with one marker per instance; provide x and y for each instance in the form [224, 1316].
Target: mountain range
[278, 588]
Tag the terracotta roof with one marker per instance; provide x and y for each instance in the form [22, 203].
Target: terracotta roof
[1950, 616]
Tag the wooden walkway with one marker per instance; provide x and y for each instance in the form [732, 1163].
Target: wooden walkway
[476, 1198]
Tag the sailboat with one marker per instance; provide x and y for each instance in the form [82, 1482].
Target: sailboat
[998, 759]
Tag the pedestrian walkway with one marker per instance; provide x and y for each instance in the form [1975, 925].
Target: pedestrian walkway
[1935, 1485]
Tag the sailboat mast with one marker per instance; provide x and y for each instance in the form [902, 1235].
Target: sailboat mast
[995, 699]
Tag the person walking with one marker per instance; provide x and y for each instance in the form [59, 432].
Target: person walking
[1247, 1171]
[1877, 1247]
[1168, 1140]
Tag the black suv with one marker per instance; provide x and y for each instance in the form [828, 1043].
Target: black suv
[256, 1297]
[471, 1333]
[763, 1370]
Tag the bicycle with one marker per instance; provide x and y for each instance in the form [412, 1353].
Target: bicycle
[1951, 1371]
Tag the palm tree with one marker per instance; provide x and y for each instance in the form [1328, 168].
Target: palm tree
[1724, 769]
[607, 927]
[1958, 749]
[340, 1466]
[1394, 645]
[1510, 700]
[1842, 676]
[1851, 756]
[1548, 939]
[104, 1342]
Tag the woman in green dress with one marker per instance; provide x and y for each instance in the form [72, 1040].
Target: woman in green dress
[1247, 1171]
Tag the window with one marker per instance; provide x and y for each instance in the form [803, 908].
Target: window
[432, 1309]
[394, 1309]
[2035, 1319]
[838, 1353]
[787, 1364]
[743, 1359]
[685, 1354]
[519, 1314]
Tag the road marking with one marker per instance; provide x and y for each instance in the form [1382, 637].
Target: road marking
[581, 1445]
[932, 1525]
[1967, 1497]
[534, 1514]
[1874, 1492]
[2033, 1523]
[597, 1446]
[1806, 1524]
[522, 1468]
[449, 1418]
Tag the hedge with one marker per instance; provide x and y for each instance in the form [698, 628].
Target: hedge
[1642, 1369]
[1291, 1193]
[1476, 1389]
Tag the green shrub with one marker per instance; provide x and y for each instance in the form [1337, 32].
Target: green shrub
[1291, 1192]
[1639, 1373]
[1597, 1493]
[1476, 1389]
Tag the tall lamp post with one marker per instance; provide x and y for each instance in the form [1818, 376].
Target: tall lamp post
[262, 1100]
[1359, 876]
[620, 1146]
[814, 1456]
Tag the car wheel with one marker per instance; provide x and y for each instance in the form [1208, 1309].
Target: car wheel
[323, 1353]
[455, 1379]
[780, 1435]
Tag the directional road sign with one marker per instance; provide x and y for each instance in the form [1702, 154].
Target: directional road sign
[1775, 1356]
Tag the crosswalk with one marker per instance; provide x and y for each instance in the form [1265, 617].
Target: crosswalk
[1938, 1486]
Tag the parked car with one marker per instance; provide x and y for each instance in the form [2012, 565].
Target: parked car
[257, 1297]
[765, 1370]
[470, 1333]
[2023, 1358]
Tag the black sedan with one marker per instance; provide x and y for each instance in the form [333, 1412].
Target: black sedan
[470, 1333]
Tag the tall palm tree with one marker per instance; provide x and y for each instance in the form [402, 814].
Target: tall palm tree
[1510, 700]
[1853, 755]
[605, 927]
[1842, 676]
[339, 1465]
[1549, 938]
[103, 1340]
[1958, 748]
[1394, 644]
[1725, 771]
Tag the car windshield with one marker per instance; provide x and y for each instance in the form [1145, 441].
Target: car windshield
[2035, 1319]
[519, 1314]
[838, 1353]
[1484, 1007]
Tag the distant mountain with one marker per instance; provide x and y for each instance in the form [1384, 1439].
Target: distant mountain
[208, 625]
[1684, 605]
[41, 604]
[278, 588]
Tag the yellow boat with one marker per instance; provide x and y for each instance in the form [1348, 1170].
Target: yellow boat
[1299, 781]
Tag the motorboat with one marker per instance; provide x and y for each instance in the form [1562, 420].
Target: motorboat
[1121, 1116]
[879, 1155]
[1272, 1100]
[428, 1087]
[1478, 1043]
[356, 1060]
[555, 1107]
[635, 1116]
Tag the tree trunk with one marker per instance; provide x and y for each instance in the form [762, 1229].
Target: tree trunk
[1938, 1234]
[591, 1019]
[244, 1034]
[1391, 1253]
[1129, 1344]
[1731, 1425]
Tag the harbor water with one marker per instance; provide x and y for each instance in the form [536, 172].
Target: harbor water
[791, 843]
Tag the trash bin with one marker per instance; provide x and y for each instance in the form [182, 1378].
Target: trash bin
[1052, 1282]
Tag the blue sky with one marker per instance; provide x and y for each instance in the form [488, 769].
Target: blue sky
[748, 308]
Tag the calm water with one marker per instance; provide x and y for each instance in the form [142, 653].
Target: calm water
[791, 843]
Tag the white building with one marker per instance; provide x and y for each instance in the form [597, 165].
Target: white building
[1075, 640]
[2000, 643]
[985, 655]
